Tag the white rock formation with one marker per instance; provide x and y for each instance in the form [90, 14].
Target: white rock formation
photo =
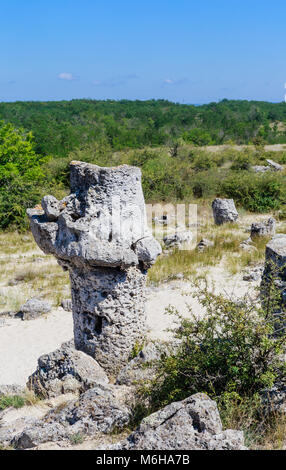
[99, 233]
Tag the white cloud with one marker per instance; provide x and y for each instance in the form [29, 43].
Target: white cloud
[66, 76]
[169, 81]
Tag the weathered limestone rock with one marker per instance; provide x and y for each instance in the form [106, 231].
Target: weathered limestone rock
[141, 368]
[224, 211]
[260, 168]
[65, 370]
[178, 239]
[204, 243]
[34, 308]
[275, 257]
[66, 304]
[101, 237]
[99, 410]
[275, 274]
[263, 229]
[191, 424]
[275, 166]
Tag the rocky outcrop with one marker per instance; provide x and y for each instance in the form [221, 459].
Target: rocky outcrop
[192, 424]
[274, 166]
[204, 243]
[224, 211]
[178, 239]
[99, 233]
[260, 168]
[66, 370]
[263, 229]
[101, 409]
[141, 368]
[274, 274]
[34, 308]
[275, 257]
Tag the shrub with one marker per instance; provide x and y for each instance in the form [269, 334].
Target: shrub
[197, 137]
[255, 192]
[20, 175]
[242, 161]
[231, 353]
[15, 401]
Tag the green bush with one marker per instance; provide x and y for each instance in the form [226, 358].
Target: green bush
[230, 353]
[255, 192]
[21, 175]
[242, 161]
[197, 137]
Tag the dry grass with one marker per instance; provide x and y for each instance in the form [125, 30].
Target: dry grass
[26, 272]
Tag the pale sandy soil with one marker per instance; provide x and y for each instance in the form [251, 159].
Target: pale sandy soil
[22, 342]
[267, 148]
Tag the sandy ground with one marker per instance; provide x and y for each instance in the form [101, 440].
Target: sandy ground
[267, 148]
[22, 342]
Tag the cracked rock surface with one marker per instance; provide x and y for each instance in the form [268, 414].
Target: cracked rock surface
[100, 234]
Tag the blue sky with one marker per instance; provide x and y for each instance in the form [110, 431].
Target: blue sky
[183, 50]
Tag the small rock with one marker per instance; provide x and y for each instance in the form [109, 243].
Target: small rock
[34, 308]
[263, 229]
[178, 238]
[191, 424]
[274, 399]
[204, 243]
[67, 305]
[13, 389]
[260, 168]
[275, 166]
[51, 207]
[251, 277]
[101, 409]
[224, 211]
[134, 371]
[66, 370]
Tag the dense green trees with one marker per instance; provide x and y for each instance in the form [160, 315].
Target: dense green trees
[20, 174]
[61, 127]
[159, 136]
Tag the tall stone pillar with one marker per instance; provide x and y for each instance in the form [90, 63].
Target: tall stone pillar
[99, 233]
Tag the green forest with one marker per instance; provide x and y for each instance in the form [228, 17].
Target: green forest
[60, 127]
[39, 139]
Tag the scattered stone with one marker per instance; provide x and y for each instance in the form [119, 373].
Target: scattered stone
[67, 305]
[260, 168]
[8, 314]
[179, 276]
[38, 260]
[178, 239]
[140, 368]
[224, 211]
[263, 229]
[107, 261]
[275, 270]
[275, 257]
[204, 243]
[51, 207]
[274, 399]
[65, 371]
[101, 409]
[275, 166]
[163, 220]
[13, 389]
[191, 424]
[254, 275]
[34, 308]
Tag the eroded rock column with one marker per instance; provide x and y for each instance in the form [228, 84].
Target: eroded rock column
[99, 233]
